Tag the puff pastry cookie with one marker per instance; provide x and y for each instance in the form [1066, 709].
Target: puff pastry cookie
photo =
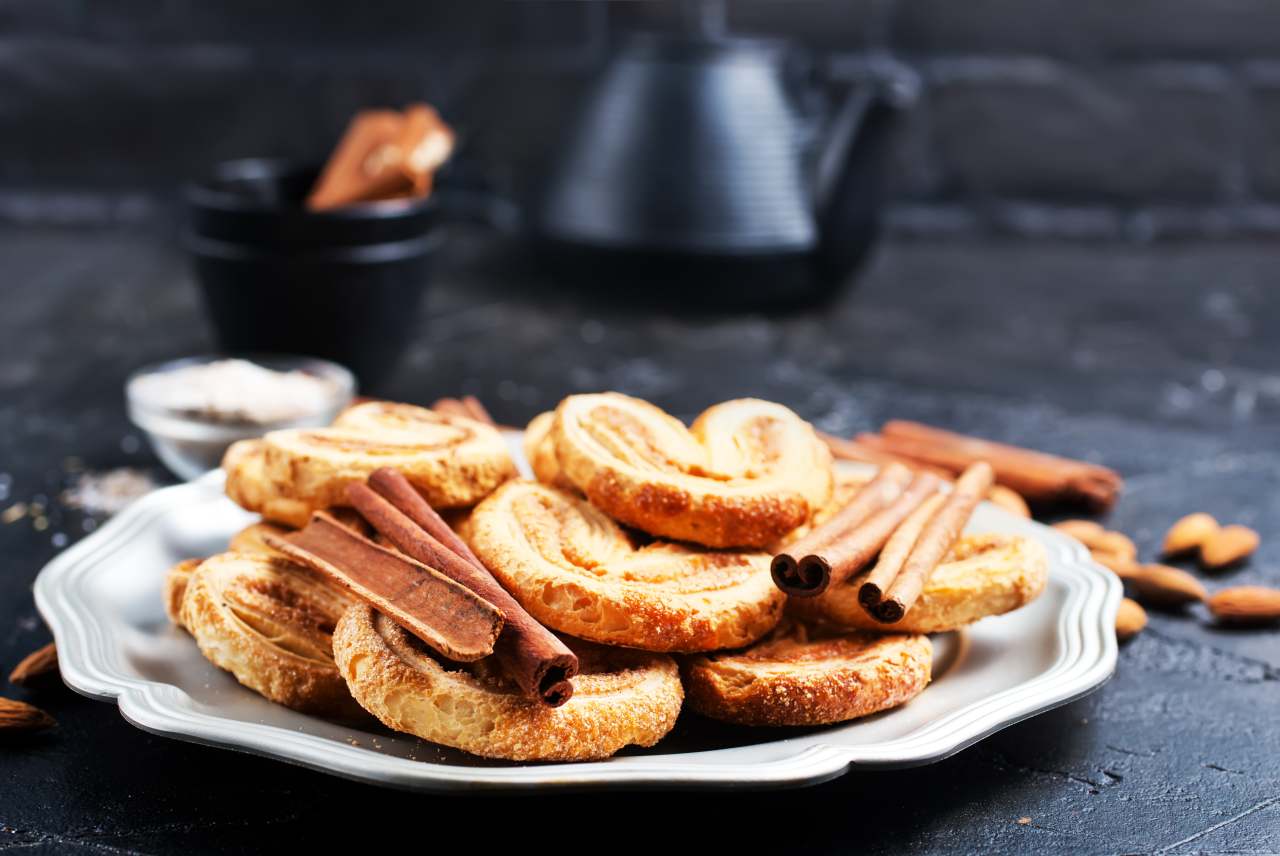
[985, 574]
[800, 676]
[288, 474]
[744, 474]
[620, 697]
[577, 571]
[270, 624]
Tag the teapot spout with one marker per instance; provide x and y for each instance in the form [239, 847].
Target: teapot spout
[852, 169]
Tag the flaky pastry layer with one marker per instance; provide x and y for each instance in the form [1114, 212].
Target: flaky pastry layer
[577, 571]
[286, 475]
[744, 474]
[620, 698]
[800, 676]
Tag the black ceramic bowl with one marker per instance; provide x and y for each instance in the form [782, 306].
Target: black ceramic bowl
[342, 285]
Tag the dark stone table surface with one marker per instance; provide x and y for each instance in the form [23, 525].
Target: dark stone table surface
[1163, 361]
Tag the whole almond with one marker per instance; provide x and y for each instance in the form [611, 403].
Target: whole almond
[1130, 619]
[38, 664]
[1246, 605]
[1123, 568]
[1189, 533]
[1116, 543]
[1161, 585]
[1084, 531]
[1010, 500]
[17, 716]
[1228, 545]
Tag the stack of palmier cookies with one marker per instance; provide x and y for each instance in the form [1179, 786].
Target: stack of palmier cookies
[640, 539]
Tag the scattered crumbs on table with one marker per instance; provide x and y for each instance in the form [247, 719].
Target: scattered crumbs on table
[1024, 821]
[59, 539]
[14, 513]
[40, 524]
[108, 492]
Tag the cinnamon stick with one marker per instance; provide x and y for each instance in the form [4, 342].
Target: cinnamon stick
[887, 485]
[444, 614]
[1037, 476]
[857, 450]
[935, 541]
[836, 561]
[529, 653]
[895, 553]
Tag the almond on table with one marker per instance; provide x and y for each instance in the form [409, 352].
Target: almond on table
[18, 716]
[1189, 533]
[1228, 545]
[1161, 585]
[1130, 619]
[1246, 605]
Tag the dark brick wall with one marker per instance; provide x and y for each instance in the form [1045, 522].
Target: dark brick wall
[1135, 118]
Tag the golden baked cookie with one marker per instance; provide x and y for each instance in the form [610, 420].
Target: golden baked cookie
[620, 698]
[577, 571]
[802, 676]
[540, 452]
[270, 623]
[743, 475]
[985, 574]
[253, 539]
[288, 474]
[175, 588]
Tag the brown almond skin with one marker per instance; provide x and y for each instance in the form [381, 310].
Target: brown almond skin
[1228, 545]
[1161, 585]
[1120, 566]
[1084, 531]
[1130, 620]
[1116, 543]
[1246, 605]
[39, 664]
[1189, 533]
[17, 717]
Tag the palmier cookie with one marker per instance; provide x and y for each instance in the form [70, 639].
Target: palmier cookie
[540, 452]
[270, 623]
[288, 474]
[746, 473]
[985, 574]
[175, 588]
[577, 571]
[800, 676]
[620, 697]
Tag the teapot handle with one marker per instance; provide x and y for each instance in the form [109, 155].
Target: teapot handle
[851, 167]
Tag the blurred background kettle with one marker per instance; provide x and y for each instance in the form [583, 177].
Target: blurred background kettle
[721, 167]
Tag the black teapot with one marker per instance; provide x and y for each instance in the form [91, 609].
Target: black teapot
[704, 165]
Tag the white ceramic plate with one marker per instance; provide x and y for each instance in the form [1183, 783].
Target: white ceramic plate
[102, 600]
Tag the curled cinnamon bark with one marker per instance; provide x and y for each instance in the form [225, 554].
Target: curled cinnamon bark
[530, 654]
[895, 554]
[887, 485]
[936, 538]
[451, 618]
[838, 560]
[1037, 476]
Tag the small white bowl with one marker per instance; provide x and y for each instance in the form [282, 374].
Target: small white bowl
[191, 444]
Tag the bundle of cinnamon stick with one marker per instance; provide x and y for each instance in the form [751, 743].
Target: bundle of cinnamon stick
[900, 517]
[1041, 478]
[434, 586]
[384, 154]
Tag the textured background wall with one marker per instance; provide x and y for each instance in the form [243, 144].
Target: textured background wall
[1137, 119]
